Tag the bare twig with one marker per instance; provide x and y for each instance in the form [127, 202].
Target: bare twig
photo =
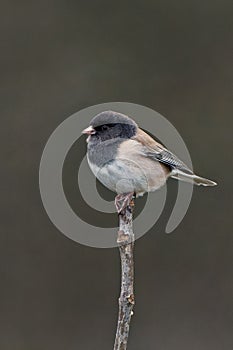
[126, 300]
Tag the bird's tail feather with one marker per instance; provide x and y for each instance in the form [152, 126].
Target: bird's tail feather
[195, 179]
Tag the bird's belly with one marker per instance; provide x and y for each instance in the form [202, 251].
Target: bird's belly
[124, 175]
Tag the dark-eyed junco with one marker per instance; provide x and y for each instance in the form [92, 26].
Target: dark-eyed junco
[128, 161]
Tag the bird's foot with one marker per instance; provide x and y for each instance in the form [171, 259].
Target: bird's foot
[124, 200]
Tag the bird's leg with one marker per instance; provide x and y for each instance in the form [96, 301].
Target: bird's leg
[123, 200]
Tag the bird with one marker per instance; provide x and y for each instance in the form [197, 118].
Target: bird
[128, 161]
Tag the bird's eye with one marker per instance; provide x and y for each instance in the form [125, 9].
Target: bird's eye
[105, 127]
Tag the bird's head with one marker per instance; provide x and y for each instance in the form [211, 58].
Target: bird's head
[110, 125]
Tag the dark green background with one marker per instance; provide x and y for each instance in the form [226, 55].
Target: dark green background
[58, 57]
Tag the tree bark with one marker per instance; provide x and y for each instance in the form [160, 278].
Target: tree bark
[125, 241]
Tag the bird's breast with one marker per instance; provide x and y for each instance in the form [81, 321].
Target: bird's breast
[123, 167]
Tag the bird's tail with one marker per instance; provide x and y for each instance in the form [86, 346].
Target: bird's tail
[195, 179]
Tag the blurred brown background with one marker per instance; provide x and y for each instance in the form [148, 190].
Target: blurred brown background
[58, 57]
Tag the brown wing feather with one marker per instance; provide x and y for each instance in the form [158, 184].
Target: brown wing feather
[159, 153]
[147, 140]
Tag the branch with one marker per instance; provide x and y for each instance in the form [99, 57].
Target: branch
[125, 241]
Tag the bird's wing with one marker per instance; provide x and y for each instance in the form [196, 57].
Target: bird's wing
[158, 152]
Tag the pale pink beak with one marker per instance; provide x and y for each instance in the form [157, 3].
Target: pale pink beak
[89, 131]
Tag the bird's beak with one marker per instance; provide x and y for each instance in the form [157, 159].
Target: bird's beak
[89, 131]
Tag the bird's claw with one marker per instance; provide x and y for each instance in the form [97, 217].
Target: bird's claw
[122, 201]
